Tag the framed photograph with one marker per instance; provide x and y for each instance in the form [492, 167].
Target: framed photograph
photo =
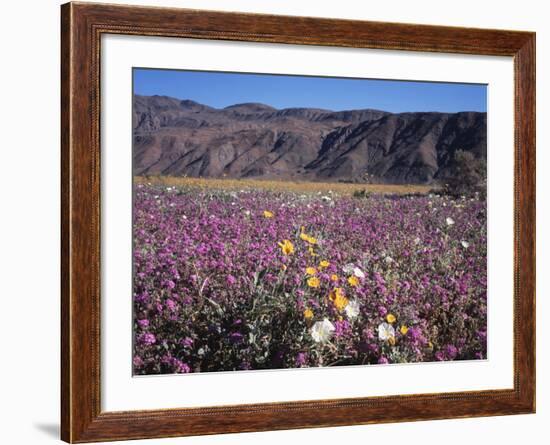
[275, 222]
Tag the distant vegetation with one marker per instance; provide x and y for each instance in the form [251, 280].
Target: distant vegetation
[468, 176]
[344, 189]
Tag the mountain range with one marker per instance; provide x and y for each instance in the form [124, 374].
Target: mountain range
[252, 140]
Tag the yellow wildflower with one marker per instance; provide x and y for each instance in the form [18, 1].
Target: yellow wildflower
[391, 341]
[310, 239]
[340, 302]
[390, 318]
[311, 251]
[313, 282]
[334, 277]
[323, 264]
[311, 270]
[287, 247]
[268, 214]
[353, 281]
[404, 329]
[308, 314]
[337, 291]
[338, 298]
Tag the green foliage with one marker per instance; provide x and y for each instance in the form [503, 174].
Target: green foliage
[468, 176]
[363, 193]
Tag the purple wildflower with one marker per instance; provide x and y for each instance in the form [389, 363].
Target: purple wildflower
[147, 338]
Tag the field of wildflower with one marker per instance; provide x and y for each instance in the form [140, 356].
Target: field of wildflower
[244, 279]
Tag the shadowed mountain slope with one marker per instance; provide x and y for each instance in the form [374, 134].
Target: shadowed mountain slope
[184, 138]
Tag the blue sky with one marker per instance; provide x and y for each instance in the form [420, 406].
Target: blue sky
[219, 90]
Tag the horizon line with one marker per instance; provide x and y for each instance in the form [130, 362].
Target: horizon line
[301, 107]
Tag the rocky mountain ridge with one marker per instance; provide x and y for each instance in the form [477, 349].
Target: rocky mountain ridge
[252, 140]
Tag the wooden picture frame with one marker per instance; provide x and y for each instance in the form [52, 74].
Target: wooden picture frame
[82, 26]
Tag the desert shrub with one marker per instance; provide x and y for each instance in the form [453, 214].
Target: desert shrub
[468, 176]
[363, 193]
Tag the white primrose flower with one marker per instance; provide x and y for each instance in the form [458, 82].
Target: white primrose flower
[465, 244]
[385, 331]
[348, 268]
[450, 221]
[352, 309]
[417, 241]
[388, 259]
[358, 272]
[322, 331]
